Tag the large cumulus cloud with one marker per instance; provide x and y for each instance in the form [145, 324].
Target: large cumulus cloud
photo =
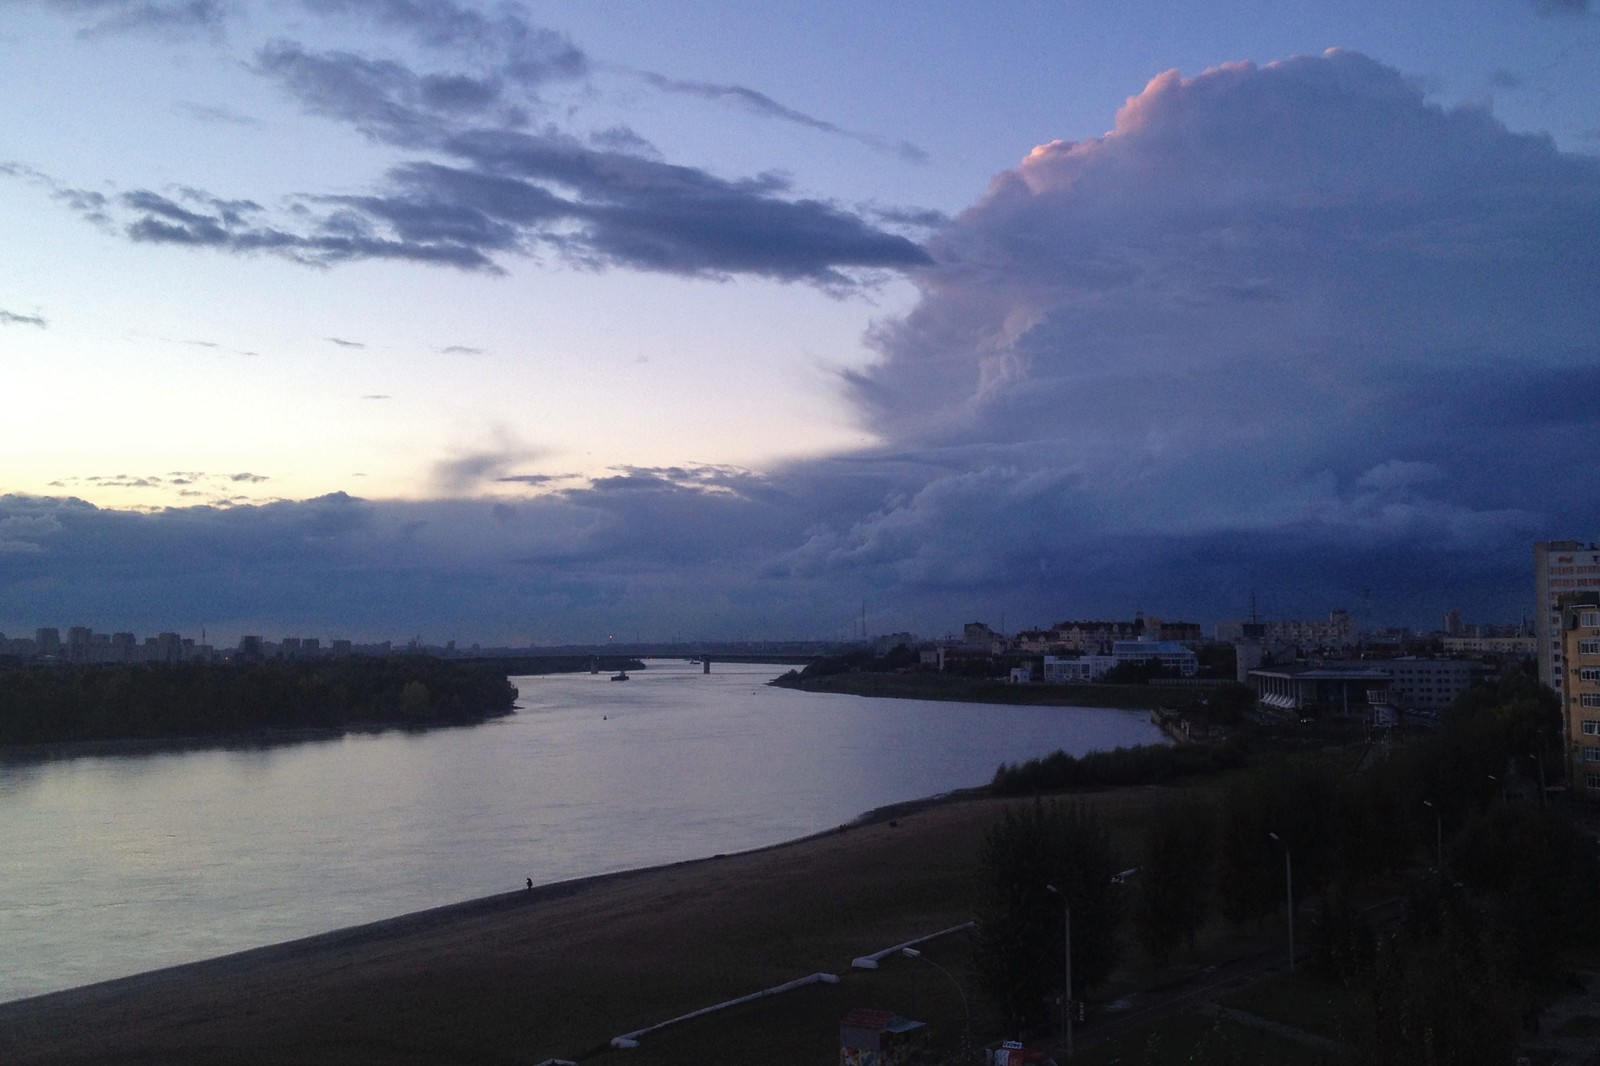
[1287, 329]
[1239, 319]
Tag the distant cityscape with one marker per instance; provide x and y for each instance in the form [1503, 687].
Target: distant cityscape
[1296, 668]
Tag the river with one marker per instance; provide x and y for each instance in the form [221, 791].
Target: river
[116, 864]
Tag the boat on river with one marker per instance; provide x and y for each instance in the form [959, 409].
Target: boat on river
[620, 675]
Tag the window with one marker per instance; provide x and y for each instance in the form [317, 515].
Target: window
[1589, 699]
[1591, 780]
[1589, 673]
[1591, 754]
[1589, 647]
[1589, 619]
[1591, 727]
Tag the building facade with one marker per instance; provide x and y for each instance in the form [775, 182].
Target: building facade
[1580, 702]
[1321, 691]
[1427, 684]
[1560, 567]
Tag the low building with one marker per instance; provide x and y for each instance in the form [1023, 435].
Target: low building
[1075, 670]
[879, 1038]
[1313, 691]
[1168, 654]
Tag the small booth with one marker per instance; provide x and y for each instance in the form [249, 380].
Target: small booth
[879, 1038]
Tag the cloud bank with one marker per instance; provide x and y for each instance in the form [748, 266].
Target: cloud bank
[483, 174]
[1286, 329]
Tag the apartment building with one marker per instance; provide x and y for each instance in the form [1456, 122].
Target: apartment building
[1560, 568]
[1580, 703]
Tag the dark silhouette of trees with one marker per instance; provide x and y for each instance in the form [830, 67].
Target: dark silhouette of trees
[1020, 946]
[1172, 892]
[161, 701]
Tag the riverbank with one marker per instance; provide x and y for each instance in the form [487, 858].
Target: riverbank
[931, 686]
[552, 972]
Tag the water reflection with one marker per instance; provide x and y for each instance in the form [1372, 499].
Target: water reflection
[120, 863]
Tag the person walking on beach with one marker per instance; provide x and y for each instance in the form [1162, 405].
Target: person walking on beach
[530, 884]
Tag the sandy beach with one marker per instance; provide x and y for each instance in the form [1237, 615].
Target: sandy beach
[554, 972]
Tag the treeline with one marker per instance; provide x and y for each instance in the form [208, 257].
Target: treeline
[1496, 894]
[160, 701]
[1146, 764]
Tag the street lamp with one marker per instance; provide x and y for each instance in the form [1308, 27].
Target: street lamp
[1438, 833]
[1066, 985]
[1288, 887]
[966, 1038]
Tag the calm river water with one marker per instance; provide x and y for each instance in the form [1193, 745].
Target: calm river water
[111, 865]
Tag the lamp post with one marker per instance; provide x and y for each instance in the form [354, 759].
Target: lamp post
[966, 1034]
[1066, 985]
[1438, 835]
[1288, 887]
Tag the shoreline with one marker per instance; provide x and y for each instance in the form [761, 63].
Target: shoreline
[427, 918]
[527, 975]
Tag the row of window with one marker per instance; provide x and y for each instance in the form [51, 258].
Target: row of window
[1589, 699]
[1589, 647]
[1591, 780]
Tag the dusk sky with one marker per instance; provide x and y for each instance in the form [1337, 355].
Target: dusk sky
[513, 323]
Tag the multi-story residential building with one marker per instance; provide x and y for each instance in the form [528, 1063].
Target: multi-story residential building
[1560, 567]
[1580, 703]
[1094, 638]
[1527, 646]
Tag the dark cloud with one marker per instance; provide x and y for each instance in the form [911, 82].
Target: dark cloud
[459, 349]
[504, 41]
[167, 18]
[1287, 330]
[210, 113]
[514, 193]
[470, 470]
[532, 479]
[337, 238]
[623, 139]
[215, 347]
[478, 185]
[382, 98]
[761, 104]
[342, 343]
[254, 479]
[87, 203]
[11, 318]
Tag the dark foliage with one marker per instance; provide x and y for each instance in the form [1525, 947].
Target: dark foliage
[1147, 764]
[1172, 892]
[1020, 951]
[158, 701]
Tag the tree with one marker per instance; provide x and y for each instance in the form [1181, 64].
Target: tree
[1019, 955]
[1172, 894]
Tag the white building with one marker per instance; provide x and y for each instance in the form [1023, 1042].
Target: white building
[1559, 567]
[1427, 684]
[1078, 669]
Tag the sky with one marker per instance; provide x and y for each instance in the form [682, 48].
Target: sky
[544, 323]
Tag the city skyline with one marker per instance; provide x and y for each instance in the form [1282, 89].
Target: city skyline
[537, 323]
